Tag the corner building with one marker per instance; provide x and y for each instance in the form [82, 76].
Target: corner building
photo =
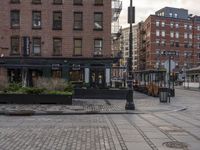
[169, 30]
[68, 39]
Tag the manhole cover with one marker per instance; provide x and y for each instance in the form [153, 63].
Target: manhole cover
[175, 144]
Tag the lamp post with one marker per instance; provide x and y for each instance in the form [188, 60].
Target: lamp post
[129, 99]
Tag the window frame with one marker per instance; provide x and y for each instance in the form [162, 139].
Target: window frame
[11, 45]
[12, 26]
[57, 3]
[36, 2]
[79, 21]
[57, 21]
[76, 47]
[78, 3]
[33, 46]
[101, 22]
[54, 52]
[101, 51]
[96, 3]
[15, 1]
[36, 27]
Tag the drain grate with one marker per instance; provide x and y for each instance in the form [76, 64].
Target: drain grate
[176, 144]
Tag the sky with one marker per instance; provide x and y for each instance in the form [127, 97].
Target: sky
[146, 7]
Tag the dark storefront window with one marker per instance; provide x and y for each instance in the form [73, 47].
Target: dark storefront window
[15, 18]
[57, 20]
[36, 20]
[14, 75]
[15, 45]
[56, 74]
[78, 21]
[98, 21]
[76, 75]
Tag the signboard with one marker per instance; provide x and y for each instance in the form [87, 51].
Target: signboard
[55, 66]
[76, 67]
[131, 14]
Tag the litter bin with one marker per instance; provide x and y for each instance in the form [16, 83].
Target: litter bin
[163, 95]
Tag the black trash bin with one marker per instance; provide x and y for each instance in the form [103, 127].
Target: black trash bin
[163, 95]
[172, 92]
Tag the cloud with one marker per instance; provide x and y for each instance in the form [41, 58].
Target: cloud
[144, 8]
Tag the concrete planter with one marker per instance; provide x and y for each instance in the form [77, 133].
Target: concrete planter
[100, 93]
[35, 99]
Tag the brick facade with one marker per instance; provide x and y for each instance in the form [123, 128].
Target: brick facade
[46, 61]
[175, 34]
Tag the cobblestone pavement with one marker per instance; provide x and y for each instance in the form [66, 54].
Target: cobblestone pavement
[144, 104]
[164, 130]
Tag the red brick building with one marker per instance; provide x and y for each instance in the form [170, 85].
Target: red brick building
[68, 39]
[169, 30]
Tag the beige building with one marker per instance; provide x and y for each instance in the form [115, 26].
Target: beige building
[124, 42]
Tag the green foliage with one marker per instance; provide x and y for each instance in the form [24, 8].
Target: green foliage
[58, 93]
[32, 90]
[13, 87]
[69, 87]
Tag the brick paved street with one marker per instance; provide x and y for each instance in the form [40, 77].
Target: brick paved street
[152, 130]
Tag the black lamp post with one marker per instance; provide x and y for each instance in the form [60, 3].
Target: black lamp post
[129, 99]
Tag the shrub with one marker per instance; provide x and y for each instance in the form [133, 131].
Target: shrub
[58, 93]
[13, 87]
[29, 90]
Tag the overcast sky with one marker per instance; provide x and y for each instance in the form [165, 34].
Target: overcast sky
[146, 7]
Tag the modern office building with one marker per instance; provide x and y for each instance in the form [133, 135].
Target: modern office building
[169, 31]
[68, 39]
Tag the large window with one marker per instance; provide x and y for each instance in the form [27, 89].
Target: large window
[36, 20]
[15, 45]
[57, 20]
[57, 2]
[76, 75]
[36, 46]
[14, 1]
[15, 18]
[98, 2]
[78, 2]
[98, 47]
[78, 20]
[57, 46]
[198, 55]
[56, 73]
[98, 21]
[77, 46]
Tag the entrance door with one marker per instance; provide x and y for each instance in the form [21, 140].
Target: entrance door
[97, 77]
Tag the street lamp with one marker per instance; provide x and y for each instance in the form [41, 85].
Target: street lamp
[129, 99]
